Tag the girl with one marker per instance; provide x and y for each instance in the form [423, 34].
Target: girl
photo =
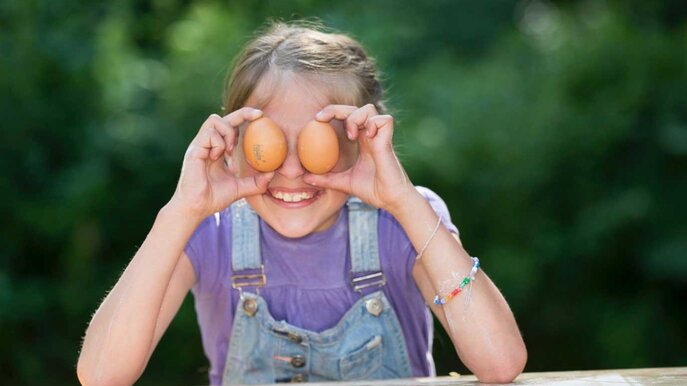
[296, 276]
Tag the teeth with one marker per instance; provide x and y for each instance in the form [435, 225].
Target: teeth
[292, 197]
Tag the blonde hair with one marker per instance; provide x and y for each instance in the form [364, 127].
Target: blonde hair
[336, 61]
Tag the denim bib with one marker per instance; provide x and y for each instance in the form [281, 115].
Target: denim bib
[366, 343]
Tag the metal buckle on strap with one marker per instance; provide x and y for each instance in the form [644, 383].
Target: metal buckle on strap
[249, 280]
[358, 287]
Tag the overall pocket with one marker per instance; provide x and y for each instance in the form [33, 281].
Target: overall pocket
[363, 361]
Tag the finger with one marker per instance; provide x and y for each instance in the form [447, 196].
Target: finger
[340, 112]
[382, 124]
[238, 117]
[196, 152]
[340, 181]
[381, 145]
[222, 127]
[211, 133]
[356, 121]
[330, 112]
[216, 144]
[256, 184]
[208, 144]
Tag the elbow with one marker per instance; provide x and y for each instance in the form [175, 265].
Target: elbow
[87, 379]
[90, 376]
[505, 370]
[82, 372]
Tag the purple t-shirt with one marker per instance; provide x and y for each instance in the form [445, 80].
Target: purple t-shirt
[308, 281]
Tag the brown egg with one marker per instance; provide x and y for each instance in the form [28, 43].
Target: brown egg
[318, 147]
[264, 145]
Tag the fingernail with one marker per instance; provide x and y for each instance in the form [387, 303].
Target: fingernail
[320, 115]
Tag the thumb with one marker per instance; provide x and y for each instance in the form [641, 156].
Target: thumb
[257, 184]
[339, 181]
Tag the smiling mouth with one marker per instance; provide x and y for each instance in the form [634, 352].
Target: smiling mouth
[293, 197]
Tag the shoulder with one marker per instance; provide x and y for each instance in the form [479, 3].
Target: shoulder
[435, 201]
[209, 229]
[213, 222]
[430, 195]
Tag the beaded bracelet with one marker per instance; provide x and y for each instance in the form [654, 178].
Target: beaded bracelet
[469, 278]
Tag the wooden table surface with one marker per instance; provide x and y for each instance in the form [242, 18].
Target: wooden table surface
[650, 376]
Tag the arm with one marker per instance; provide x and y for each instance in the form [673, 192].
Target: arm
[131, 320]
[485, 334]
[133, 317]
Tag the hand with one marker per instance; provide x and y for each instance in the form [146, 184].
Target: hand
[377, 176]
[207, 184]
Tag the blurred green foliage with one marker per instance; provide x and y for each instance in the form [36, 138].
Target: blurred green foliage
[555, 131]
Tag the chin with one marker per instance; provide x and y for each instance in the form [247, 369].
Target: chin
[292, 231]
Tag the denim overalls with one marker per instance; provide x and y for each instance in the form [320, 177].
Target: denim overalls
[367, 343]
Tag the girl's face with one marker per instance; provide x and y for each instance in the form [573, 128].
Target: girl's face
[311, 209]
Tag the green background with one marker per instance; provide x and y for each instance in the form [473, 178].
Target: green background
[555, 131]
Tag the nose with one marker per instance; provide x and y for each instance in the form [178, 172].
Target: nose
[292, 167]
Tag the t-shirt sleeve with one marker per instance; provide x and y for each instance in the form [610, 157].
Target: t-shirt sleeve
[201, 250]
[439, 207]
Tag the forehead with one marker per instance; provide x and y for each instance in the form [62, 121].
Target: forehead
[288, 97]
[292, 99]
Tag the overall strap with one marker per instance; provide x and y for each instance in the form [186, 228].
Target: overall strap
[362, 234]
[246, 261]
